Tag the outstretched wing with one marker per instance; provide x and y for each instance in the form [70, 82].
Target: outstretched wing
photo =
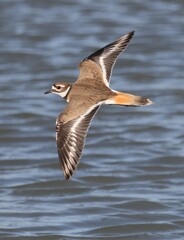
[70, 138]
[106, 56]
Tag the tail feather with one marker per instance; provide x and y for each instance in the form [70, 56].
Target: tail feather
[129, 100]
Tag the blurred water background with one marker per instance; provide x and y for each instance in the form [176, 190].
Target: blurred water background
[130, 181]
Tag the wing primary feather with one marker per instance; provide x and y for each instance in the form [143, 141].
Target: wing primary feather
[71, 138]
[107, 56]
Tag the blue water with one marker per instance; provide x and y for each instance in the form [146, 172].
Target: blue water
[130, 181]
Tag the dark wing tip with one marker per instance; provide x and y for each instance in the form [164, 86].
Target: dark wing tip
[128, 36]
[131, 33]
[68, 175]
[125, 39]
[69, 160]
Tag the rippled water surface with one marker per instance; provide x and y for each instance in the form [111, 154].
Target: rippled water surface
[130, 181]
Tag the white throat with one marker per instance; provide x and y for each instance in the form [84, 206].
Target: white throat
[63, 94]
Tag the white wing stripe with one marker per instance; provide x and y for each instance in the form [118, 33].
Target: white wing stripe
[118, 47]
[78, 121]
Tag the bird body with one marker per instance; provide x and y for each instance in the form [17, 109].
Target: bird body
[84, 98]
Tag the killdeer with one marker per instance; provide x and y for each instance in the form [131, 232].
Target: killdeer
[85, 97]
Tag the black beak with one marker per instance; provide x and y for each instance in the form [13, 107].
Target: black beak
[49, 91]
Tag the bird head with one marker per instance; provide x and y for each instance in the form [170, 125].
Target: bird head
[60, 88]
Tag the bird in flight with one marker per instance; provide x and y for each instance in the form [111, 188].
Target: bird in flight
[84, 98]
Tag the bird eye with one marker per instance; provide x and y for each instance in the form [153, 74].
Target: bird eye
[58, 87]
